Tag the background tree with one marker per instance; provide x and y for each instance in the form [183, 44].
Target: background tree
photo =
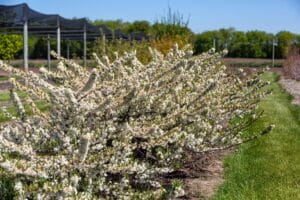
[257, 42]
[286, 40]
[224, 38]
[204, 41]
[239, 41]
[112, 24]
[10, 45]
[252, 44]
[138, 26]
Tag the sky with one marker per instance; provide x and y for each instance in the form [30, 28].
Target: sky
[267, 15]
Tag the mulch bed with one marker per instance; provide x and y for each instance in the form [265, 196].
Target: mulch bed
[201, 173]
[4, 85]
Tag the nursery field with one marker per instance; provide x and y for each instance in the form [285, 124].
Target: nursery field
[109, 109]
[262, 165]
[262, 169]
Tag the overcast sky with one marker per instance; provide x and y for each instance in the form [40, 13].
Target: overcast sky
[268, 15]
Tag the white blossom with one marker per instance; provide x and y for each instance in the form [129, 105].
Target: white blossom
[121, 124]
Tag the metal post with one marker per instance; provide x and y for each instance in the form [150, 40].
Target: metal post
[48, 52]
[68, 50]
[84, 45]
[25, 45]
[58, 38]
[273, 52]
[214, 44]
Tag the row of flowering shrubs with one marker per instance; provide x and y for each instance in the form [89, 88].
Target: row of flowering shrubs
[112, 132]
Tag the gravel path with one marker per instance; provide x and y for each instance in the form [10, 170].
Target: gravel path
[292, 87]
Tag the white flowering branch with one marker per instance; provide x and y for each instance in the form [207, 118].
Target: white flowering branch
[111, 132]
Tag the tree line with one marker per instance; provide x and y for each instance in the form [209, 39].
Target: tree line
[250, 44]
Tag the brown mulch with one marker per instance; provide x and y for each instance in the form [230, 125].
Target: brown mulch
[4, 85]
[207, 174]
[201, 174]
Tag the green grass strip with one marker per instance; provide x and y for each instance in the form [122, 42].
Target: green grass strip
[42, 105]
[5, 96]
[5, 78]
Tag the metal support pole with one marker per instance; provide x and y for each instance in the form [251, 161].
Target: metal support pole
[84, 45]
[214, 44]
[68, 50]
[25, 45]
[273, 52]
[48, 52]
[58, 40]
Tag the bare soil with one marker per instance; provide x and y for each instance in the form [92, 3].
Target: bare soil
[254, 60]
[5, 85]
[202, 174]
[208, 177]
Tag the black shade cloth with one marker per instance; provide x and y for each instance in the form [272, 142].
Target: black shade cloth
[13, 17]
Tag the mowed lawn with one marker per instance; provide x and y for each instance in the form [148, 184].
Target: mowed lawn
[268, 168]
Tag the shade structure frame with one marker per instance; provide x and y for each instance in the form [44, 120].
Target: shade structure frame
[21, 19]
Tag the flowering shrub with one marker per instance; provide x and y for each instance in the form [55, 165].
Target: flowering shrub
[113, 131]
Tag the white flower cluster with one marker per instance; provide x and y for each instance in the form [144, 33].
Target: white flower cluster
[113, 131]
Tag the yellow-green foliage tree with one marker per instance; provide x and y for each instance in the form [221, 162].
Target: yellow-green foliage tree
[169, 29]
[10, 45]
[286, 40]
